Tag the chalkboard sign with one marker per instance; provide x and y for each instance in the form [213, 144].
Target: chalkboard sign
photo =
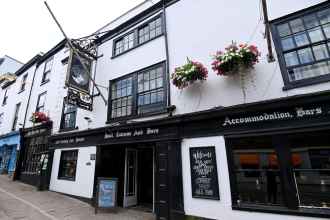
[106, 196]
[204, 174]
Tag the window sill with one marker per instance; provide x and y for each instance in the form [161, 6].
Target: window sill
[125, 119]
[134, 47]
[68, 129]
[307, 82]
[309, 212]
[21, 91]
[44, 82]
[73, 179]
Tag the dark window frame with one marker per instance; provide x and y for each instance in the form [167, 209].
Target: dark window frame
[63, 152]
[62, 128]
[23, 83]
[45, 74]
[135, 31]
[154, 110]
[38, 102]
[16, 114]
[5, 98]
[280, 53]
[282, 146]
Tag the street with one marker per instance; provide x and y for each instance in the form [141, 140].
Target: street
[21, 201]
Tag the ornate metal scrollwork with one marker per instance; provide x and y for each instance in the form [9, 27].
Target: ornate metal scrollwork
[87, 45]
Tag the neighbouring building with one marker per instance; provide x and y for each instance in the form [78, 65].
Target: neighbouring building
[9, 64]
[230, 147]
[12, 114]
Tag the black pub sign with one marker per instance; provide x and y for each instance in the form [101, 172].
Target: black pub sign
[204, 174]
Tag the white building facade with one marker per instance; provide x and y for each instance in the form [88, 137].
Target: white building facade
[217, 149]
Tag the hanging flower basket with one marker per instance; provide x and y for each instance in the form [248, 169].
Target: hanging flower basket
[189, 73]
[235, 59]
[39, 117]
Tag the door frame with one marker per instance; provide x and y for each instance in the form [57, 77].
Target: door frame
[125, 177]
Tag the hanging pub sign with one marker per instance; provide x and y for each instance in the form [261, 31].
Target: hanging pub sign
[204, 174]
[80, 99]
[77, 76]
[106, 194]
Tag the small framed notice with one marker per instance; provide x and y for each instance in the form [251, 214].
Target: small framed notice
[106, 194]
[204, 174]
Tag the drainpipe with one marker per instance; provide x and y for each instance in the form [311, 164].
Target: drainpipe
[267, 32]
[167, 56]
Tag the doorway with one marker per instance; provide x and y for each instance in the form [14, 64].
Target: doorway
[139, 178]
[134, 168]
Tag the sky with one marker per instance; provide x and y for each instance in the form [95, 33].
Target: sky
[27, 27]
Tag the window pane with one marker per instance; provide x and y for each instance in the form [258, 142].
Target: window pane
[324, 16]
[141, 100]
[153, 84]
[158, 31]
[291, 59]
[311, 167]
[287, 43]
[309, 71]
[316, 35]
[158, 22]
[160, 96]
[153, 33]
[257, 174]
[147, 99]
[297, 25]
[311, 21]
[284, 29]
[305, 55]
[153, 97]
[122, 101]
[326, 29]
[320, 52]
[301, 39]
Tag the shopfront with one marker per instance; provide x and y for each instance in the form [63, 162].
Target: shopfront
[35, 158]
[273, 159]
[9, 145]
[145, 158]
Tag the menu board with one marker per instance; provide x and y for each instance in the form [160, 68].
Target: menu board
[106, 193]
[204, 174]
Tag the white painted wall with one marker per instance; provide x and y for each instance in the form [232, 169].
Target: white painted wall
[198, 28]
[84, 182]
[56, 91]
[126, 16]
[109, 68]
[14, 97]
[217, 209]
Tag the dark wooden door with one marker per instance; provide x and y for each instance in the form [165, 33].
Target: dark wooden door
[169, 196]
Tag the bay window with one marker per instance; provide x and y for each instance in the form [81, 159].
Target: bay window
[139, 93]
[302, 42]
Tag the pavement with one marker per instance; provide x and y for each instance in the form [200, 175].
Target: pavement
[20, 201]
